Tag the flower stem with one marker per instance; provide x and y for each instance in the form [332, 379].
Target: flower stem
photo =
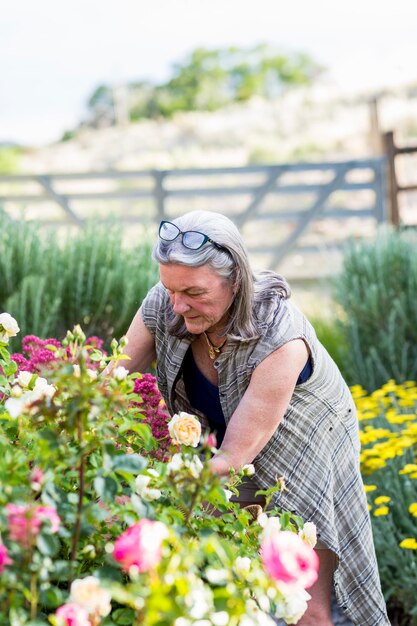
[77, 525]
[193, 501]
[33, 596]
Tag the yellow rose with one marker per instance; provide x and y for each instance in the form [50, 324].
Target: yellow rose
[185, 429]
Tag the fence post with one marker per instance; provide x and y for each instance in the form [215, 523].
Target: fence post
[160, 193]
[391, 151]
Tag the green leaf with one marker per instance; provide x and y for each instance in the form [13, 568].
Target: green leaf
[10, 368]
[138, 505]
[284, 520]
[123, 617]
[48, 544]
[130, 463]
[106, 487]
[4, 354]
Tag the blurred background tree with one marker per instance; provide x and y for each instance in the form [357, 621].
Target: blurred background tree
[207, 80]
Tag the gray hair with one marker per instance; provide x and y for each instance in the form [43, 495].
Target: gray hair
[232, 264]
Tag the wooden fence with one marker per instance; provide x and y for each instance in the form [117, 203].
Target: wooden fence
[297, 209]
[395, 188]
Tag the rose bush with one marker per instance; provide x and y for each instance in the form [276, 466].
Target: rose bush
[99, 528]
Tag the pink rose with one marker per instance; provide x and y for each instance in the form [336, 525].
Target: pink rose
[4, 558]
[140, 545]
[49, 513]
[72, 615]
[24, 521]
[289, 559]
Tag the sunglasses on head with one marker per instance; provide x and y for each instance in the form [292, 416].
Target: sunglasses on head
[192, 239]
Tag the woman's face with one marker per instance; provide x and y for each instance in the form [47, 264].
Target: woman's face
[199, 294]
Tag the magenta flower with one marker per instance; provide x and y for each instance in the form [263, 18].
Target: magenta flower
[72, 615]
[140, 545]
[289, 560]
[25, 520]
[152, 406]
[4, 558]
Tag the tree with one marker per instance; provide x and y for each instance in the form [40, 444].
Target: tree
[209, 79]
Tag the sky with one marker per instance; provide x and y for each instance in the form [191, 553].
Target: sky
[54, 54]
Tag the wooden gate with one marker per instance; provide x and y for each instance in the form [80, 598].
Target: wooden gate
[282, 210]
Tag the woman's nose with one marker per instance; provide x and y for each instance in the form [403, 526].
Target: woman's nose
[179, 305]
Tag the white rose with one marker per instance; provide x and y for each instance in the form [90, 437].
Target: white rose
[175, 464]
[16, 391]
[141, 483]
[14, 406]
[185, 429]
[120, 373]
[24, 378]
[8, 327]
[152, 494]
[199, 600]
[248, 469]
[255, 617]
[309, 534]
[88, 593]
[221, 618]
[42, 389]
[293, 606]
[217, 576]
[242, 564]
[269, 524]
[228, 493]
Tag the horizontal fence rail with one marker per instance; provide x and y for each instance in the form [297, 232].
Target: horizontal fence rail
[281, 209]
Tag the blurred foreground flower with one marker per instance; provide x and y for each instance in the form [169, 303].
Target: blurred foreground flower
[140, 545]
[72, 615]
[289, 560]
[24, 521]
[90, 595]
[4, 558]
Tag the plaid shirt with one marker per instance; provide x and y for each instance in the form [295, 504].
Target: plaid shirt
[315, 447]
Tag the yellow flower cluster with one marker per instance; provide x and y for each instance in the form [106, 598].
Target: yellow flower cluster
[394, 407]
[388, 431]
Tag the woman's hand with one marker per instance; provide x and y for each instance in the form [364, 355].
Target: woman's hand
[220, 464]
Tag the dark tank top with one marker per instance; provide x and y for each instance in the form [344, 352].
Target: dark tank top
[204, 396]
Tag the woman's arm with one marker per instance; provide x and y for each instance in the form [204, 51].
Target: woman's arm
[262, 407]
[140, 347]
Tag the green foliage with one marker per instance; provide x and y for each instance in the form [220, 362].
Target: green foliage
[377, 292]
[330, 335]
[90, 279]
[209, 79]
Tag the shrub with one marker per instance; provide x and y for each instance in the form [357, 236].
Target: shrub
[93, 533]
[90, 279]
[377, 292]
[388, 420]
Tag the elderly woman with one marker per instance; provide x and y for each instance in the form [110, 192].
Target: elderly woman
[231, 347]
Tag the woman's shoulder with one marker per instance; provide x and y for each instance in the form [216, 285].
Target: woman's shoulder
[154, 306]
